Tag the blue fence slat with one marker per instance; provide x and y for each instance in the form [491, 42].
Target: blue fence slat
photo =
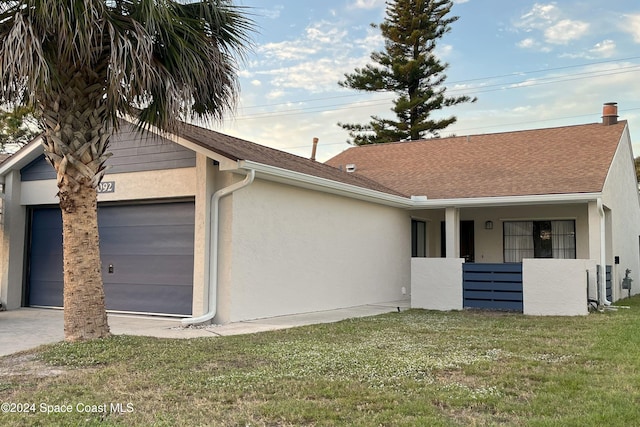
[493, 277]
[492, 286]
[495, 296]
[498, 305]
[497, 268]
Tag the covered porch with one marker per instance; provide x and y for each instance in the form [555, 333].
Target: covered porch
[543, 255]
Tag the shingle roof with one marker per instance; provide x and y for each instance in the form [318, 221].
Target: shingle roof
[238, 149]
[571, 159]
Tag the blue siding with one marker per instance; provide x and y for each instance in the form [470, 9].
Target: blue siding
[492, 286]
[132, 152]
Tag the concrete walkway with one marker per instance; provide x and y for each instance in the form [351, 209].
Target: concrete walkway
[27, 328]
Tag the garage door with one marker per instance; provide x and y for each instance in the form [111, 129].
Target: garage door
[147, 257]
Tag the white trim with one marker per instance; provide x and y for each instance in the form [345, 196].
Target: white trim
[298, 179]
[22, 157]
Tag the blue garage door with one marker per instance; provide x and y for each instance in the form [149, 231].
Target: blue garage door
[147, 257]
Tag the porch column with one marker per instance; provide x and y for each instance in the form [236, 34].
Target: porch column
[594, 232]
[452, 232]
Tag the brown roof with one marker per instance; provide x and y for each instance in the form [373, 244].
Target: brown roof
[238, 149]
[571, 159]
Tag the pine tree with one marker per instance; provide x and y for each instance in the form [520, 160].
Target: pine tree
[408, 67]
[17, 127]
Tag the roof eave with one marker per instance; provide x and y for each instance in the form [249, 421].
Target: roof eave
[22, 157]
[523, 200]
[285, 176]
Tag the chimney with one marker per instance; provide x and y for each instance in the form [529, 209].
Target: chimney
[610, 113]
[313, 150]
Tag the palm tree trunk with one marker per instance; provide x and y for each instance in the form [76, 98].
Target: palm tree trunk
[84, 303]
[75, 141]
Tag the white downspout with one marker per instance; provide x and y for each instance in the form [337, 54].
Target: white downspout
[213, 248]
[603, 258]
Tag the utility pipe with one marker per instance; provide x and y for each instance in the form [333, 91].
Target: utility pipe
[603, 258]
[213, 247]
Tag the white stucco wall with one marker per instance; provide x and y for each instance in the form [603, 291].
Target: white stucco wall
[436, 283]
[620, 195]
[296, 250]
[556, 287]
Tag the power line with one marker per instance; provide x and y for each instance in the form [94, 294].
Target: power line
[470, 91]
[475, 79]
[512, 124]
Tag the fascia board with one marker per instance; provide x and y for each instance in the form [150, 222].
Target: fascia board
[298, 179]
[285, 176]
[23, 156]
[539, 199]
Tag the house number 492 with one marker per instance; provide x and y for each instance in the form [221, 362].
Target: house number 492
[107, 187]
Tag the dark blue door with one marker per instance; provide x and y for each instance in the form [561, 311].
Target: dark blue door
[147, 257]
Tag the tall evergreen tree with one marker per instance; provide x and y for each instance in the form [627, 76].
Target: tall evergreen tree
[408, 67]
[17, 127]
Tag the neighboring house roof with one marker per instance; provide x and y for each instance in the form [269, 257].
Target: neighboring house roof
[562, 160]
[239, 149]
[4, 156]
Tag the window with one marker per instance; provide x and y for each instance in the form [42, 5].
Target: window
[539, 239]
[418, 238]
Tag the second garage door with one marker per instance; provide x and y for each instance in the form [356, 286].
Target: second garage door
[147, 257]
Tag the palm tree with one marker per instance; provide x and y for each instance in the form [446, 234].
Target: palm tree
[83, 64]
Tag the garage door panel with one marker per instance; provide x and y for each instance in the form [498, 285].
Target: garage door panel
[159, 270]
[46, 267]
[148, 298]
[149, 245]
[49, 295]
[159, 240]
[168, 215]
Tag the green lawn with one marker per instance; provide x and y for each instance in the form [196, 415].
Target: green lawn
[400, 369]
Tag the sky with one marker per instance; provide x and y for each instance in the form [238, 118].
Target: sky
[530, 64]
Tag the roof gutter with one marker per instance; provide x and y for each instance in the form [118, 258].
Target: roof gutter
[287, 176]
[214, 239]
[536, 199]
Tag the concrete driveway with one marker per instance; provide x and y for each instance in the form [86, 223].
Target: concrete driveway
[27, 328]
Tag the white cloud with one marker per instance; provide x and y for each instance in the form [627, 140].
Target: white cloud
[547, 25]
[632, 26]
[528, 43]
[287, 50]
[313, 76]
[604, 49]
[565, 31]
[322, 33]
[275, 94]
[539, 17]
[256, 83]
[368, 4]
[273, 13]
